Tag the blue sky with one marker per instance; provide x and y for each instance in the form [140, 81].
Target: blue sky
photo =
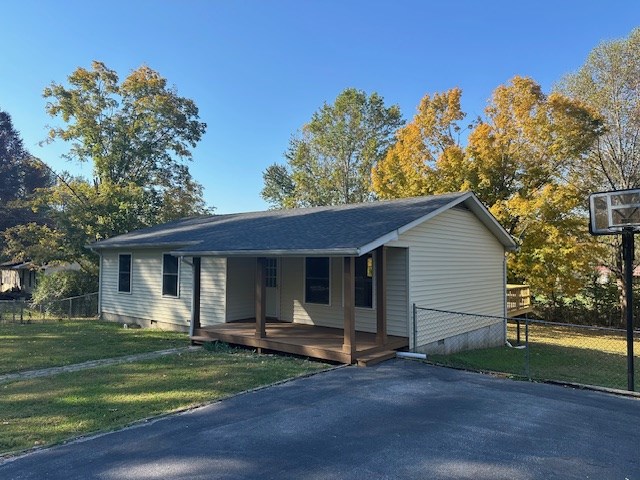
[258, 69]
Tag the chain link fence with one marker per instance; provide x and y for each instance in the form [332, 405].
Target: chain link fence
[525, 348]
[25, 311]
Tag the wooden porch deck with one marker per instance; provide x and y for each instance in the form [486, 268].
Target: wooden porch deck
[316, 342]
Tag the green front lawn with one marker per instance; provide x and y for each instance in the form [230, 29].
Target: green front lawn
[48, 410]
[591, 357]
[42, 345]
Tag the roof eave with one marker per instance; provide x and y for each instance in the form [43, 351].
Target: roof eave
[332, 252]
[389, 237]
[127, 245]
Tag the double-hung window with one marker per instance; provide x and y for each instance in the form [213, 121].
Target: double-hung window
[316, 282]
[364, 281]
[169, 275]
[124, 272]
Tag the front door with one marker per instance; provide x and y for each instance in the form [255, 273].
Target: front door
[272, 288]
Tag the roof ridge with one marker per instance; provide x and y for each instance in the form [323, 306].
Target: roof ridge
[346, 206]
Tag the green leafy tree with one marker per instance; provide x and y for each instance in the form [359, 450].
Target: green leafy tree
[60, 285]
[20, 176]
[329, 162]
[608, 83]
[137, 134]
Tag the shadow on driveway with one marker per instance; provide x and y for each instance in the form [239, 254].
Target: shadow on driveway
[401, 419]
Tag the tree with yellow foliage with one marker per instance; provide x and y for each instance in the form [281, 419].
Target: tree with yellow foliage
[427, 156]
[518, 162]
[521, 155]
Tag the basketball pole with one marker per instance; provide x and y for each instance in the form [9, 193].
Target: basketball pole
[628, 254]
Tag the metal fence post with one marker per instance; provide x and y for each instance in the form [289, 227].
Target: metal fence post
[527, 346]
[13, 311]
[415, 327]
[22, 311]
[70, 309]
[518, 331]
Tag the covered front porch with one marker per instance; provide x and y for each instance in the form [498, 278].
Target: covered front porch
[309, 340]
[338, 314]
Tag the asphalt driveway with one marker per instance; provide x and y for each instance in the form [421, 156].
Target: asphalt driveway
[401, 419]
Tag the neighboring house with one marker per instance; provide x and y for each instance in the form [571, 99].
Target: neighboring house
[340, 280]
[604, 274]
[22, 276]
[17, 277]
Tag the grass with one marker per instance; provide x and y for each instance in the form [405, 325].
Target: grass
[42, 345]
[48, 410]
[591, 357]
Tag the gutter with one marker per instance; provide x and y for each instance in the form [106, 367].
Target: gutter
[95, 247]
[342, 252]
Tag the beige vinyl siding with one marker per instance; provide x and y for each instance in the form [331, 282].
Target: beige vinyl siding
[240, 288]
[213, 281]
[293, 308]
[145, 300]
[397, 293]
[455, 264]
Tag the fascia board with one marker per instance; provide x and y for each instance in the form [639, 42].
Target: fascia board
[389, 237]
[337, 252]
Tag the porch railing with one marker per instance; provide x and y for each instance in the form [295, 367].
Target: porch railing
[518, 300]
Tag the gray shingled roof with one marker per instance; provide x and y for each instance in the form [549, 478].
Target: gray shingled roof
[345, 229]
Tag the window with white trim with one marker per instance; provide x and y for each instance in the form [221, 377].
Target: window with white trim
[317, 284]
[364, 281]
[124, 272]
[271, 268]
[170, 274]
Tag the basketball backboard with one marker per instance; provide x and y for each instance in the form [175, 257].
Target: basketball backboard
[611, 213]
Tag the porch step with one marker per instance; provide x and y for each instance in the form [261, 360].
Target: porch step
[374, 358]
[201, 339]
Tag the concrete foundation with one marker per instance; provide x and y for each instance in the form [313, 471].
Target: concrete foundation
[143, 322]
[485, 337]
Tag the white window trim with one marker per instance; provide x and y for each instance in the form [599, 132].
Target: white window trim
[164, 295]
[304, 282]
[277, 273]
[130, 274]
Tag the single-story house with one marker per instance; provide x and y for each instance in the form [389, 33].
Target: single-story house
[22, 276]
[17, 277]
[336, 282]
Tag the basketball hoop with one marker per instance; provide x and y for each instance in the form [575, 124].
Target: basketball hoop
[612, 213]
[618, 213]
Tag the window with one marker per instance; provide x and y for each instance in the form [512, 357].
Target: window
[364, 281]
[124, 273]
[316, 280]
[169, 275]
[271, 268]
